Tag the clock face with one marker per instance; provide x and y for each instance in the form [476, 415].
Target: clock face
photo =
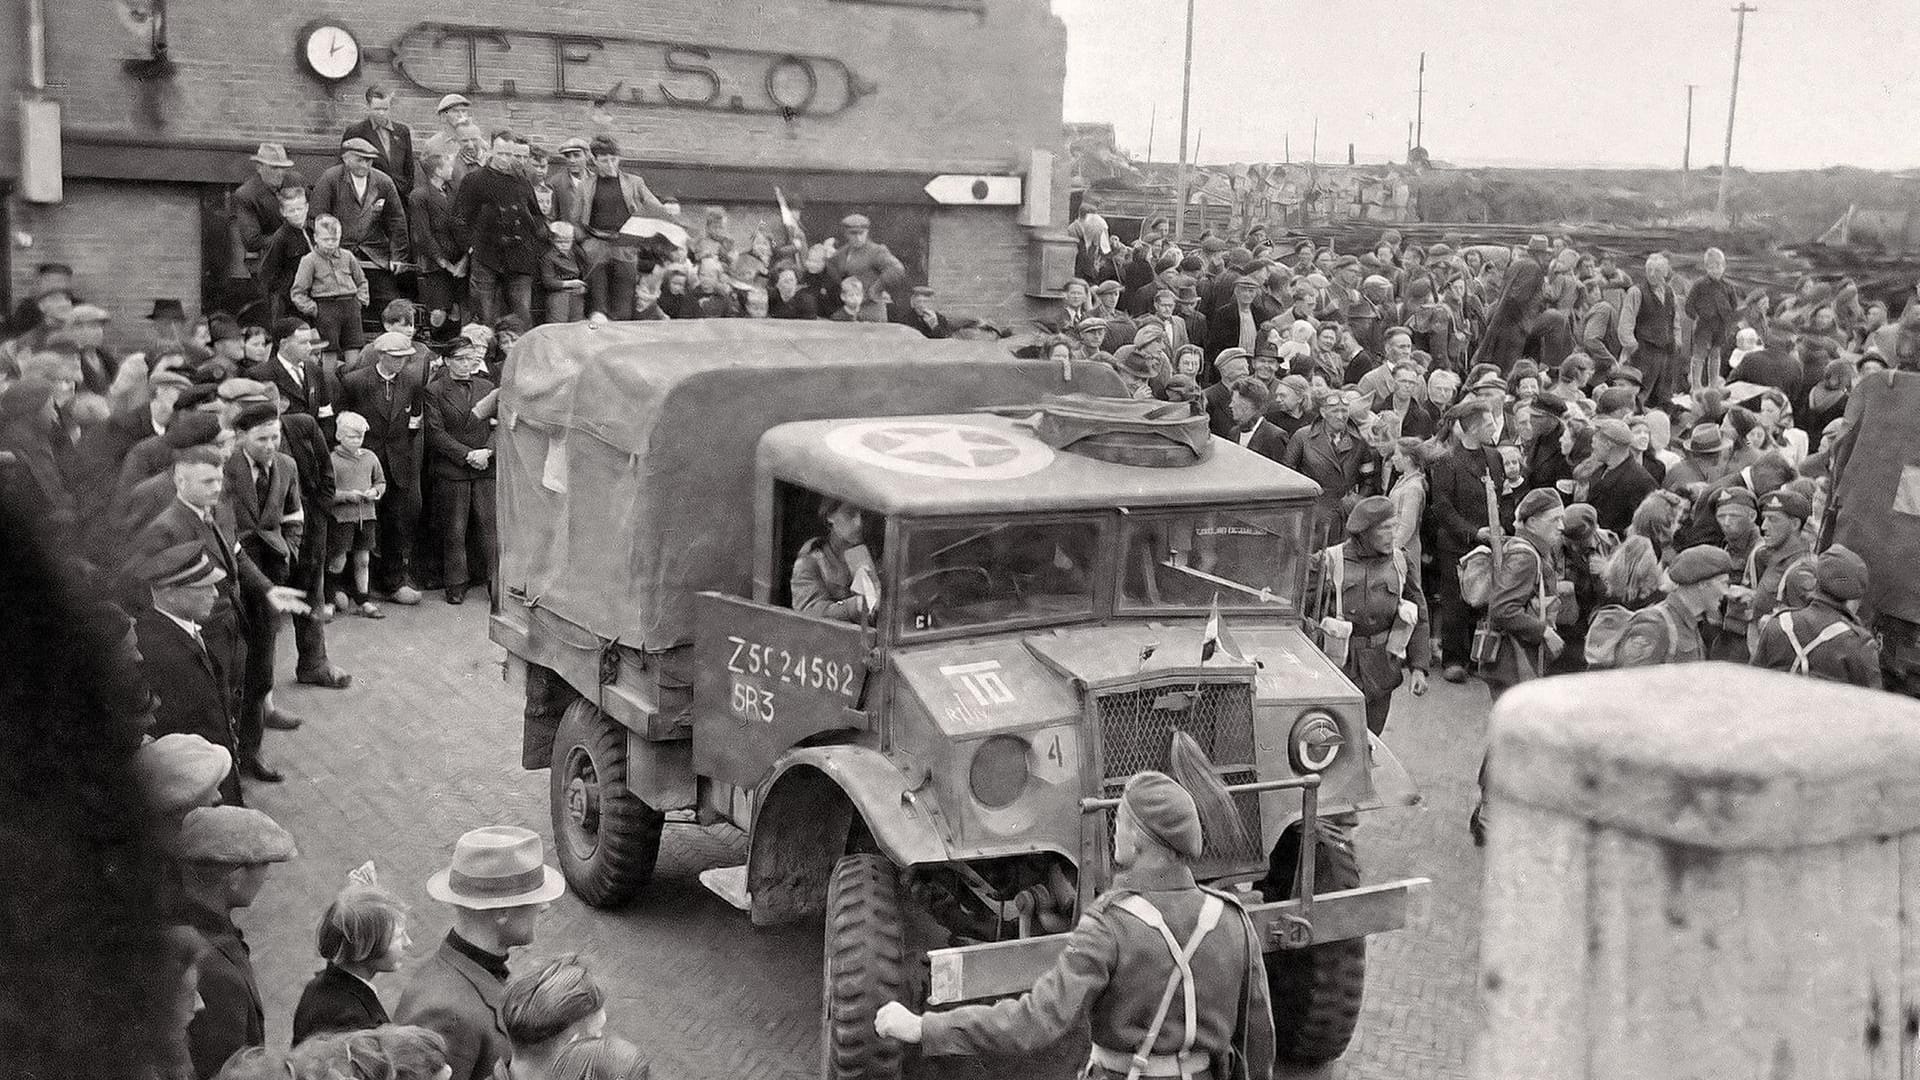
[330, 51]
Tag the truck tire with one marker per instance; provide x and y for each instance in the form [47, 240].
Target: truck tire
[1315, 991]
[606, 838]
[863, 967]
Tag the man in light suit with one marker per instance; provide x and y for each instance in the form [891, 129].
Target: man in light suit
[498, 885]
[608, 266]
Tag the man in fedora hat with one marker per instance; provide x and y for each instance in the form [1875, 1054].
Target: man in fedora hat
[225, 853]
[256, 203]
[498, 885]
[1702, 460]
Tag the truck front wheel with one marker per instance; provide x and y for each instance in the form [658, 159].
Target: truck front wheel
[607, 838]
[864, 967]
[1315, 991]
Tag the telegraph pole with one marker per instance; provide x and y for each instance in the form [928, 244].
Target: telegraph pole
[1420, 107]
[1686, 153]
[1186, 98]
[1151, 117]
[1733, 101]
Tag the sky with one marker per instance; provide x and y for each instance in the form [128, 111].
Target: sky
[1549, 82]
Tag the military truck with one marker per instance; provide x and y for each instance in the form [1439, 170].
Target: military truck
[935, 783]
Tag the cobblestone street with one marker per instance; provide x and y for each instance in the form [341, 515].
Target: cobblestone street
[426, 744]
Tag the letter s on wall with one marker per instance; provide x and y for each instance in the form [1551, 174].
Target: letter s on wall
[705, 71]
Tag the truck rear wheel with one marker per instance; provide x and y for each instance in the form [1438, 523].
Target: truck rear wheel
[607, 838]
[864, 967]
[1315, 991]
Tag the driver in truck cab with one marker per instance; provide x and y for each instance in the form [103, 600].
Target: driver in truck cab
[825, 572]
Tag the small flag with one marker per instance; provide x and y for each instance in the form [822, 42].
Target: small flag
[787, 217]
[1217, 638]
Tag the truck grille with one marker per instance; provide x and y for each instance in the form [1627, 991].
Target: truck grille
[1135, 736]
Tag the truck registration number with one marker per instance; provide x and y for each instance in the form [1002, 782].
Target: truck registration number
[760, 661]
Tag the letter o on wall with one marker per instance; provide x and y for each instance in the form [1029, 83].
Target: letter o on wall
[774, 85]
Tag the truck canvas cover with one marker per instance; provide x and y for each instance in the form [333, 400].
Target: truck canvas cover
[1877, 488]
[626, 450]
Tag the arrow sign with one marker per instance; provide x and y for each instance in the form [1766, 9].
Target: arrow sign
[956, 190]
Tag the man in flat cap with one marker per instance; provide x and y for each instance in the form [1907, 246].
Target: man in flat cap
[1616, 490]
[1669, 632]
[454, 112]
[1331, 452]
[225, 853]
[1120, 329]
[1369, 585]
[879, 270]
[185, 675]
[922, 316]
[1825, 640]
[1118, 970]
[180, 772]
[373, 217]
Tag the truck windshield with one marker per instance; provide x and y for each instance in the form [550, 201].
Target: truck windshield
[986, 572]
[1247, 558]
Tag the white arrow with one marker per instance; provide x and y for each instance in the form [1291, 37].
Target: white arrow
[956, 190]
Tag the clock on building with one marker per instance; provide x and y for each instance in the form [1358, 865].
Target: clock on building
[328, 51]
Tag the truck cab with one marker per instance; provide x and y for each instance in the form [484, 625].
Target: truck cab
[943, 641]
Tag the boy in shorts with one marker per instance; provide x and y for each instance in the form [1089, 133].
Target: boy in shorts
[331, 290]
[358, 483]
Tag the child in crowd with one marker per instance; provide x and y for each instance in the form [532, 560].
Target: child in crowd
[280, 261]
[358, 483]
[363, 934]
[560, 277]
[331, 290]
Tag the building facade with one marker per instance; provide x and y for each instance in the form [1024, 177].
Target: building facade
[842, 105]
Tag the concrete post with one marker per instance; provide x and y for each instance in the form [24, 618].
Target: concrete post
[1701, 871]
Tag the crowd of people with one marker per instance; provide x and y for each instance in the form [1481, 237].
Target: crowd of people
[1532, 461]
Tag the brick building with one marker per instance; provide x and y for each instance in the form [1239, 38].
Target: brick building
[842, 104]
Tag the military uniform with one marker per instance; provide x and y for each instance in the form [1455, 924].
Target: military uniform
[1369, 590]
[1725, 632]
[1113, 973]
[1782, 575]
[1835, 647]
[1660, 634]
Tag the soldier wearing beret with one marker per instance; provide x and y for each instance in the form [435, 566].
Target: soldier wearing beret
[1783, 560]
[225, 853]
[1824, 640]
[1117, 970]
[1669, 632]
[1737, 512]
[1368, 581]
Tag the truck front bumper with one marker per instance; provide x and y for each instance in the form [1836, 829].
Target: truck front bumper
[997, 969]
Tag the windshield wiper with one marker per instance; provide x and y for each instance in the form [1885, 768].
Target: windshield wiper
[1264, 595]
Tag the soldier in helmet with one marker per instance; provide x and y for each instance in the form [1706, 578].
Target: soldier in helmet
[1824, 640]
[1119, 969]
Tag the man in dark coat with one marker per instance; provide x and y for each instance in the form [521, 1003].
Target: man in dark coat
[294, 372]
[373, 217]
[392, 143]
[190, 688]
[460, 448]
[1249, 400]
[263, 490]
[256, 203]
[1617, 490]
[1235, 323]
[392, 399]
[1332, 454]
[920, 314]
[498, 220]
[225, 854]
[1457, 511]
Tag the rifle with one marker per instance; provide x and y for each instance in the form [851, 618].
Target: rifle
[1486, 640]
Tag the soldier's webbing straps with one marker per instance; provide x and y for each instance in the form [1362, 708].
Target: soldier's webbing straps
[1181, 980]
[1803, 654]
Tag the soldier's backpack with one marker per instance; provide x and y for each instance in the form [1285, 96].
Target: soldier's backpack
[1609, 626]
[1803, 654]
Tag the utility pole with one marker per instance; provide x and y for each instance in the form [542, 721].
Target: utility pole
[1151, 117]
[1420, 107]
[1733, 102]
[1686, 153]
[1314, 154]
[1186, 98]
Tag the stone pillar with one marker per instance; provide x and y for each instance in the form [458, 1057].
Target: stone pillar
[1701, 871]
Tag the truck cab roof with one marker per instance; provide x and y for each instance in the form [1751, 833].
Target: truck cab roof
[970, 463]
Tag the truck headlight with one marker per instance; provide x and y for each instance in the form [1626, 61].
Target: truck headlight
[998, 775]
[1315, 742]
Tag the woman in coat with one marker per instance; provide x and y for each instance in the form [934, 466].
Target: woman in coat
[363, 934]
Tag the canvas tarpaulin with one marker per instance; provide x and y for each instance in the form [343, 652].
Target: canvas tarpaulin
[1878, 490]
[627, 450]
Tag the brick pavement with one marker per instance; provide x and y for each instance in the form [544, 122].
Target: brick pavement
[425, 745]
